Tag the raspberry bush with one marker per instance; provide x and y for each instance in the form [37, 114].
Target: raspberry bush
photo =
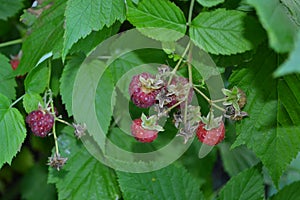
[96, 97]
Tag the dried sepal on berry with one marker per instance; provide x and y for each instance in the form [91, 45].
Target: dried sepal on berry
[150, 83]
[163, 98]
[187, 126]
[211, 137]
[142, 134]
[161, 111]
[56, 161]
[235, 97]
[187, 131]
[211, 121]
[80, 130]
[211, 129]
[143, 90]
[178, 118]
[179, 90]
[151, 123]
[233, 114]
[193, 114]
[163, 71]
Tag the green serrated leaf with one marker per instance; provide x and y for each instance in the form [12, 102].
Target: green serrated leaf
[103, 98]
[9, 8]
[172, 182]
[93, 39]
[272, 129]
[247, 185]
[130, 60]
[292, 8]
[236, 160]
[56, 71]
[125, 143]
[274, 12]
[83, 176]
[37, 79]
[291, 65]
[67, 81]
[46, 36]
[210, 3]
[13, 131]
[31, 101]
[160, 20]
[226, 32]
[290, 192]
[7, 85]
[83, 98]
[233, 60]
[83, 17]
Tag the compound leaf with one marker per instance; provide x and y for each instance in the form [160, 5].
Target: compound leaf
[172, 182]
[13, 131]
[83, 17]
[9, 8]
[160, 20]
[7, 83]
[225, 32]
[274, 12]
[46, 37]
[247, 185]
[272, 130]
[83, 176]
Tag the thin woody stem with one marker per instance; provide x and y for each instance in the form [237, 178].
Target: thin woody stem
[212, 103]
[13, 42]
[63, 121]
[16, 101]
[54, 131]
[178, 63]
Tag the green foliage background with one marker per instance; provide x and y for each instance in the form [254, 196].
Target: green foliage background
[255, 43]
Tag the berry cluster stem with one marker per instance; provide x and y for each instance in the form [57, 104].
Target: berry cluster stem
[218, 100]
[13, 42]
[191, 12]
[211, 103]
[174, 106]
[189, 60]
[49, 72]
[54, 131]
[179, 62]
[16, 101]
[62, 121]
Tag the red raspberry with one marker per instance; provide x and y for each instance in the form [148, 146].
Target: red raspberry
[211, 137]
[40, 122]
[181, 81]
[14, 63]
[142, 96]
[141, 134]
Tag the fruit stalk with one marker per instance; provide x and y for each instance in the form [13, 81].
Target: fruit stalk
[13, 42]
[212, 103]
[54, 130]
[178, 63]
[191, 12]
[16, 101]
